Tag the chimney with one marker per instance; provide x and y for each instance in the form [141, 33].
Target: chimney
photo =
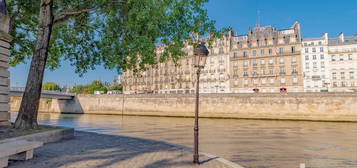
[341, 37]
[325, 36]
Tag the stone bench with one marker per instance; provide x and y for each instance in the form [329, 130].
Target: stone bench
[17, 150]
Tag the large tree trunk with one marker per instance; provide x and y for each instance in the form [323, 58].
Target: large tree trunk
[27, 117]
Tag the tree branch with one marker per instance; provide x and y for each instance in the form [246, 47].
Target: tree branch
[64, 15]
[13, 18]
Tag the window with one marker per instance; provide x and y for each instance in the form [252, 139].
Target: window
[235, 64]
[221, 50]
[320, 43]
[293, 59]
[245, 63]
[262, 52]
[245, 82]
[315, 64]
[235, 74]
[272, 80]
[305, 44]
[306, 57]
[271, 61]
[342, 75]
[281, 60]
[314, 57]
[341, 57]
[313, 49]
[245, 73]
[322, 56]
[350, 57]
[307, 65]
[270, 51]
[282, 70]
[312, 43]
[294, 70]
[321, 49]
[281, 50]
[282, 80]
[254, 63]
[292, 49]
[352, 75]
[295, 80]
[245, 54]
[333, 58]
[322, 64]
[254, 53]
[334, 75]
[262, 61]
[306, 50]
[271, 71]
[254, 73]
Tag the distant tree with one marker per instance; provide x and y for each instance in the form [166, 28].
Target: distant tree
[96, 86]
[116, 87]
[50, 86]
[119, 34]
[77, 89]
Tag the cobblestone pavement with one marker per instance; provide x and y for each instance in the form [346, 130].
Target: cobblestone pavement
[97, 150]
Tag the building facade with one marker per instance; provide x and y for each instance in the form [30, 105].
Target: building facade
[180, 78]
[316, 64]
[267, 59]
[343, 53]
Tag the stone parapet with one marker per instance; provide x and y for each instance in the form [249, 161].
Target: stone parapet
[292, 106]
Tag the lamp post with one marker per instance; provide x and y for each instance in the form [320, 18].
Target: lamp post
[200, 57]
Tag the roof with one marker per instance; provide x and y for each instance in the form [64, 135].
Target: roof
[347, 40]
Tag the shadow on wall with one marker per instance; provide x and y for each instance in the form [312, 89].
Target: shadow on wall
[70, 106]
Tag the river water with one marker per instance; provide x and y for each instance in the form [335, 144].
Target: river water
[250, 143]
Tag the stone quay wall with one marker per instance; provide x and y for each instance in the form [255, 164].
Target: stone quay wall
[5, 40]
[292, 106]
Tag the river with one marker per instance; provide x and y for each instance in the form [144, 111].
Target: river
[250, 143]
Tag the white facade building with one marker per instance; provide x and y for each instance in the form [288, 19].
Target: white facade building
[316, 64]
[343, 52]
[215, 75]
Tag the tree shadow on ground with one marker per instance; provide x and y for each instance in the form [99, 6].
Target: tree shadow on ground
[97, 150]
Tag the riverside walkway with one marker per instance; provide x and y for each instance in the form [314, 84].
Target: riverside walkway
[98, 150]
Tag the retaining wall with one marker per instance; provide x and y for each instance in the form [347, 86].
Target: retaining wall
[293, 106]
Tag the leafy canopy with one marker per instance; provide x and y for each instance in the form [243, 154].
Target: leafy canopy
[89, 89]
[50, 86]
[118, 34]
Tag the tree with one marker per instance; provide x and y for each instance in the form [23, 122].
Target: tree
[96, 86]
[118, 34]
[116, 87]
[50, 86]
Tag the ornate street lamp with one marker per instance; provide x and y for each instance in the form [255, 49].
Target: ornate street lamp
[3, 7]
[200, 57]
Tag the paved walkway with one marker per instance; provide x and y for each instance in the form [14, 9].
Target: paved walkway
[97, 150]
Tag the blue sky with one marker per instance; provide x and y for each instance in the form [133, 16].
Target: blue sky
[316, 17]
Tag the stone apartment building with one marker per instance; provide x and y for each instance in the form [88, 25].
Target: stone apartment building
[267, 59]
[316, 64]
[163, 79]
[343, 53]
[170, 78]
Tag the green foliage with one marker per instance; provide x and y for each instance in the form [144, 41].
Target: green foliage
[96, 86]
[116, 34]
[50, 86]
[116, 87]
[89, 89]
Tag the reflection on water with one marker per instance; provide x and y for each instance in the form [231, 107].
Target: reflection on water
[250, 143]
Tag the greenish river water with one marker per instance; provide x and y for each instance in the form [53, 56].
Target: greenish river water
[250, 143]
